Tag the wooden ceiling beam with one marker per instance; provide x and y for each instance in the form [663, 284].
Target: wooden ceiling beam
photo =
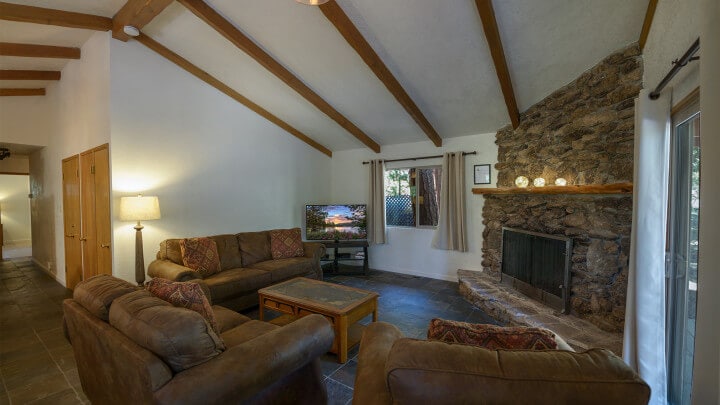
[21, 92]
[492, 35]
[47, 16]
[352, 35]
[29, 75]
[38, 51]
[227, 90]
[244, 43]
[647, 23]
[137, 13]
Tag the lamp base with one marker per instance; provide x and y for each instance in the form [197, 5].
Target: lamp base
[139, 259]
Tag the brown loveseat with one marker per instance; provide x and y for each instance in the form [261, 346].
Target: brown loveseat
[112, 325]
[247, 266]
[393, 369]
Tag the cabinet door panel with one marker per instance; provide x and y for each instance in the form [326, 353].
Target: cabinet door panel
[88, 223]
[71, 221]
[102, 210]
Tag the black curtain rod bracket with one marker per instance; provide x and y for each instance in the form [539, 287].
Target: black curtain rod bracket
[422, 157]
[677, 65]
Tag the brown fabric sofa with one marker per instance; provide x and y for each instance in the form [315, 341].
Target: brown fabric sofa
[247, 266]
[398, 370]
[110, 323]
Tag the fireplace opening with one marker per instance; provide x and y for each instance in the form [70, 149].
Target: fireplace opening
[537, 265]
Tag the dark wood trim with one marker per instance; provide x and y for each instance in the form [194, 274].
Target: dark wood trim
[38, 51]
[29, 75]
[335, 14]
[137, 13]
[212, 81]
[48, 16]
[244, 43]
[687, 100]
[21, 92]
[614, 188]
[15, 173]
[492, 34]
[647, 23]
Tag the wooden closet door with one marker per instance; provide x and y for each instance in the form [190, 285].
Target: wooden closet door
[102, 209]
[88, 223]
[71, 221]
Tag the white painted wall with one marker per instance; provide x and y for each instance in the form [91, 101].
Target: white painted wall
[78, 119]
[25, 120]
[408, 250]
[216, 166]
[15, 209]
[706, 373]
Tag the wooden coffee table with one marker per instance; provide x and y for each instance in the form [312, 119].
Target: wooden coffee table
[342, 306]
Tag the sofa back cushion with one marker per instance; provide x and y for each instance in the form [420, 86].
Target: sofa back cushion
[97, 293]
[463, 374]
[170, 250]
[229, 251]
[179, 336]
[254, 247]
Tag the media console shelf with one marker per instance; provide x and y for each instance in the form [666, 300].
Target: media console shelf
[614, 188]
[336, 255]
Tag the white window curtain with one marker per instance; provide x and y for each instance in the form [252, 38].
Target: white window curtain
[451, 232]
[644, 338]
[376, 203]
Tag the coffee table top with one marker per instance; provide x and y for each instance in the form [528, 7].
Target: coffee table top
[321, 294]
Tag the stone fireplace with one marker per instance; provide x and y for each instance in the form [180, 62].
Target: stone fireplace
[584, 133]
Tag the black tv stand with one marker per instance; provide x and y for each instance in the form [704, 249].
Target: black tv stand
[333, 262]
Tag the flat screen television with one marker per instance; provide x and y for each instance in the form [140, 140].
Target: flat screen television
[336, 222]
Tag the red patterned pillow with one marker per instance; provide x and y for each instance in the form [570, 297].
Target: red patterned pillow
[490, 336]
[186, 294]
[201, 255]
[286, 243]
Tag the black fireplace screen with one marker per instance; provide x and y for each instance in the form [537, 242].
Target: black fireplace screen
[538, 265]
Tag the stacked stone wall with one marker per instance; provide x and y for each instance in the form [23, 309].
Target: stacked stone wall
[584, 133]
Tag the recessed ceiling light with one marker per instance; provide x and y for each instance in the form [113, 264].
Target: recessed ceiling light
[312, 2]
[130, 30]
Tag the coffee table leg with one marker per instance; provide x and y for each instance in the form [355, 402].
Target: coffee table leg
[261, 310]
[342, 334]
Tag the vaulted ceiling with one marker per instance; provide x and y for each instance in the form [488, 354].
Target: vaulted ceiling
[410, 70]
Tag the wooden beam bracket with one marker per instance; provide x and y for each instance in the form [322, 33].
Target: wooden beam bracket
[38, 51]
[29, 75]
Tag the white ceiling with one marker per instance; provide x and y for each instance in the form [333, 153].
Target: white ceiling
[436, 50]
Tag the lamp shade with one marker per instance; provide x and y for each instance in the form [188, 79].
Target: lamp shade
[139, 208]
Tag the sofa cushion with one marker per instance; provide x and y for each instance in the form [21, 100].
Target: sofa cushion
[228, 319]
[254, 247]
[286, 243]
[235, 282]
[170, 250]
[228, 251]
[247, 331]
[491, 336]
[97, 293]
[186, 294]
[201, 255]
[181, 337]
[282, 269]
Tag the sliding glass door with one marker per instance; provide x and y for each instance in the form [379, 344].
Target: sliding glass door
[683, 251]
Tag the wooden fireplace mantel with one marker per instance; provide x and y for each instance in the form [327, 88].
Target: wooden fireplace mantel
[614, 188]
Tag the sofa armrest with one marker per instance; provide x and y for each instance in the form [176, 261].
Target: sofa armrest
[315, 251]
[375, 345]
[171, 271]
[246, 369]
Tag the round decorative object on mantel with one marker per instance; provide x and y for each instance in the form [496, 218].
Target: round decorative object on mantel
[522, 181]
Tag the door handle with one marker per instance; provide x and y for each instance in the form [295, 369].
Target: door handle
[103, 245]
[69, 236]
[83, 239]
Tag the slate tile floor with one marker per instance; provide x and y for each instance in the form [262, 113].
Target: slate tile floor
[37, 365]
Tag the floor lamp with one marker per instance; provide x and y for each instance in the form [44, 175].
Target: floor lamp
[139, 209]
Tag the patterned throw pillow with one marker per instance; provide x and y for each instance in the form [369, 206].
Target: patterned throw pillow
[201, 255]
[490, 336]
[286, 243]
[186, 294]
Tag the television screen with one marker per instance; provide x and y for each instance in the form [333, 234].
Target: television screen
[336, 222]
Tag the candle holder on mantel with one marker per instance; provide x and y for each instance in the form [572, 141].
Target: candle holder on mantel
[139, 209]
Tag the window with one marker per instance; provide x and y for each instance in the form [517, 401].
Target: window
[682, 255]
[412, 196]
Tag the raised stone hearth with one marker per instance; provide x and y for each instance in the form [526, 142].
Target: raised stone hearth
[514, 309]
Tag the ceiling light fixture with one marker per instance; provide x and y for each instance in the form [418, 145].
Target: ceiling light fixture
[131, 31]
[4, 152]
[312, 2]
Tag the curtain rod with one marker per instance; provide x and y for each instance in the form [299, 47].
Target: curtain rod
[678, 64]
[423, 157]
